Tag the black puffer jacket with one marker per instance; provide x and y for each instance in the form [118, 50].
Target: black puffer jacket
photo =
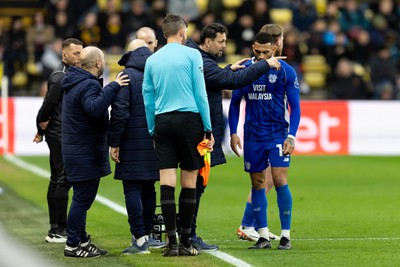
[218, 79]
[128, 127]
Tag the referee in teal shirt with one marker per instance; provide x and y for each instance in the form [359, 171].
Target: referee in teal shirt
[178, 118]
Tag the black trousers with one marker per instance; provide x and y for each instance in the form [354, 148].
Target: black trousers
[57, 192]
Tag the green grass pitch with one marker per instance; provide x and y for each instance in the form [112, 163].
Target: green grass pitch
[345, 213]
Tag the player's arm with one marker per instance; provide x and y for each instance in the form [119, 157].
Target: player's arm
[293, 95]
[234, 113]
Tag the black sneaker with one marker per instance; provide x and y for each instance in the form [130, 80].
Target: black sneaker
[261, 243]
[284, 244]
[200, 245]
[79, 252]
[88, 246]
[190, 251]
[171, 251]
[56, 237]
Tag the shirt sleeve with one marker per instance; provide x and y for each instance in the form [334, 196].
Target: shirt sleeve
[148, 92]
[293, 95]
[234, 110]
[200, 91]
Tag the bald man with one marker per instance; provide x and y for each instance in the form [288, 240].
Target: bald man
[148, 35]
[136, 165]
[84, 143]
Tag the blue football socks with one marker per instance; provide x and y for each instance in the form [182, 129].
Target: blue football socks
[259, 201]
[285, 206]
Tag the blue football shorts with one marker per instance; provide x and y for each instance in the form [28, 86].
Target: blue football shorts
[258, 155]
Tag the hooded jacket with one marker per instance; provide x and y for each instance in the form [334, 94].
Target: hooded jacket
[84, 125]
[218, 79]
[128, 126]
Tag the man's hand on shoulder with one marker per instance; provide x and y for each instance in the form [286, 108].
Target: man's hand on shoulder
[238, 65]
[121, 79]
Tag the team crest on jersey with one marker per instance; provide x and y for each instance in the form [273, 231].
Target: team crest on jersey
[272, 78]
[296, 84]
[247, 165]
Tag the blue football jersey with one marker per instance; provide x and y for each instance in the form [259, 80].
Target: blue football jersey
[267, 105]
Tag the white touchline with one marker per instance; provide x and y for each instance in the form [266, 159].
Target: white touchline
[114, 206]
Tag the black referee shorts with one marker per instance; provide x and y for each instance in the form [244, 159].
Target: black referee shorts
[176, 136]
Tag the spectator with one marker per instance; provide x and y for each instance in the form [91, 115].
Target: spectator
[84, 143]
[346, 83]
[383, 71]
[136, 17]
[38, 35]
[113, 37]
[89, 31]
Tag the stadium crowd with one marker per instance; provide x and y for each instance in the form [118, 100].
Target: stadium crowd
[340, 49]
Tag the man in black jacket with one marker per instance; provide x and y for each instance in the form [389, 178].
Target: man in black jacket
[48, 122]
[212, 45]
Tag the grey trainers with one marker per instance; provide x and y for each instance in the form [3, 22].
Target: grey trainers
[200, 245]
[155, 243]
[134, 248]
[79, 252]
[261, 243]
[284, 243]
[88, 246]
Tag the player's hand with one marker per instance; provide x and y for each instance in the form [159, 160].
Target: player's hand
[122, 80]
[288, 146]
[238, 65]
[38, 138]
[273, 62]
[43, 125]
[114, 153]
[235, 144]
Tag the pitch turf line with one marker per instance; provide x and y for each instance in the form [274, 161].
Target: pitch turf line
[114, 206]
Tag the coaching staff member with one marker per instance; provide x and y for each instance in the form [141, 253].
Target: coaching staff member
[48, 123]
[84, 143]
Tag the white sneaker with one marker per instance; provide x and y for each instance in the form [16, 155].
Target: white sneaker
[247, 233]
[273, 237]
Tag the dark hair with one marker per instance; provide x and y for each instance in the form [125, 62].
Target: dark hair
[273, 29]
[172, 24]
[263, 38]
[210, 31]
[69, 41]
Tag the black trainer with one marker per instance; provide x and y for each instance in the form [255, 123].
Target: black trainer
[261, 243]
[171, 251]
[88, 246]
[54, 236]
[190, 251]
[79, 252]
[284, 244]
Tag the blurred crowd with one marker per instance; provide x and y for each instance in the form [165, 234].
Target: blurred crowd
[358, 41]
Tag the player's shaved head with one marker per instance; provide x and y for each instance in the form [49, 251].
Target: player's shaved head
[135, 44]
[89, 55]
